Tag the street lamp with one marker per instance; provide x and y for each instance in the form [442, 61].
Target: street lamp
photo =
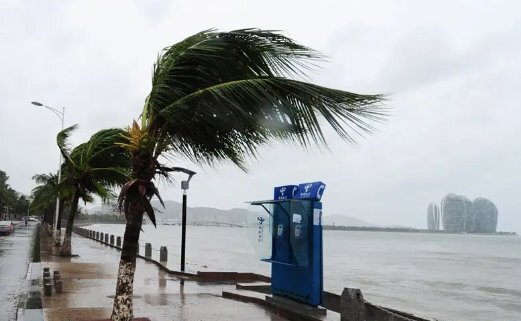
[185, 185]
[61, 115]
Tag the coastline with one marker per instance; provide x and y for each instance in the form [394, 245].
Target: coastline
[406, 230]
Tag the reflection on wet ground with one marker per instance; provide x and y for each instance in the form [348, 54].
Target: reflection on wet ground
[90, 281]
[14, 258]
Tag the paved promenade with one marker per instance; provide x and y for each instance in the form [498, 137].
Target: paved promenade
[89, 282]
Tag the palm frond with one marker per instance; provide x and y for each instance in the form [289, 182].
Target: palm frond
[44, 179]
[63, 144]
[95, 166]
[103, 192]
[102, 149]
[220, 95]
[111, 176]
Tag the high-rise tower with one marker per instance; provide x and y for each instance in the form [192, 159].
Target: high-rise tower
[456, 213]
[433, 216]
[485, 213]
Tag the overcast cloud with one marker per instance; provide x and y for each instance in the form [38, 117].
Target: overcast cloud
[452, 69]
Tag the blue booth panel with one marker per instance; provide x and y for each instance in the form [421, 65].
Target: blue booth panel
[302, 278]
[296, 261]
[281, 233]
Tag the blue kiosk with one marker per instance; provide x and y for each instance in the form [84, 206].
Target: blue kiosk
[295, 215]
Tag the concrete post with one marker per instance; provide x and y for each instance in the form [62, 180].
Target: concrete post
[46, 269]
[47, 289]
[106, 237]
[118, 241]
[97, 235]
[163, 254]
[148, 250]
[102, 236]
[111, 239]
[56, 278]
[352, 305]
[58, 286]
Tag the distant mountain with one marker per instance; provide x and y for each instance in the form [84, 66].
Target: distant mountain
[105, 209]
[172, 213]
[341, 220]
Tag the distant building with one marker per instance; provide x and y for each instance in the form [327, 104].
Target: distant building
[456, 212]
[485, 215]
[469, 220]
[459, 214]
[433, 216]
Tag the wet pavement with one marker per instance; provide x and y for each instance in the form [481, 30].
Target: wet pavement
[15, 252]
[89, 282]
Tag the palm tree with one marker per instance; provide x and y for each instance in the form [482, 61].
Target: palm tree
[44, 196]
[92, 168]
[217, 97]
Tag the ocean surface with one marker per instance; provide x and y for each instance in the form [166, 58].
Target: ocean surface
[435, 276]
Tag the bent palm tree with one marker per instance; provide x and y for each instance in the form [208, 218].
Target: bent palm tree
[92, 168]
[45, 194]
[218, 96]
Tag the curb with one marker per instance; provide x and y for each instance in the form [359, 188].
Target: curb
[30, 304]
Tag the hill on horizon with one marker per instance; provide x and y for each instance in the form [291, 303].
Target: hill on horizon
[172, 212]
[237, 216]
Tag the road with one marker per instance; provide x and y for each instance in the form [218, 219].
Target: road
[15, 250]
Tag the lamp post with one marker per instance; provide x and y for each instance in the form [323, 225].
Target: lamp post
[61, 115]
[185, 185]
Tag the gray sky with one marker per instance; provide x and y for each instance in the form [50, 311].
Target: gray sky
[453, 69]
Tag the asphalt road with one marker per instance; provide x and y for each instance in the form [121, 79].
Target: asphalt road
[15, 252]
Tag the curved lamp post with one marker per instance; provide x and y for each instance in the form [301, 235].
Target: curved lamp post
[61, 115]
[185, 185]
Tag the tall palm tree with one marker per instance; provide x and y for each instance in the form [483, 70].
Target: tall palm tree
[44, 196]
[92, 168]
[218, 96]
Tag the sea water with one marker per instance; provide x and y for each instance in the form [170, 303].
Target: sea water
[435, 276]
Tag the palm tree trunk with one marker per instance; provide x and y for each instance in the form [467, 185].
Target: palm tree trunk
[60, 214]
[59, 223]
[48, 221]
[123, 307]
[66, 249]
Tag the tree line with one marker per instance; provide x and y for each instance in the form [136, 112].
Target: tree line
[13, 204]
